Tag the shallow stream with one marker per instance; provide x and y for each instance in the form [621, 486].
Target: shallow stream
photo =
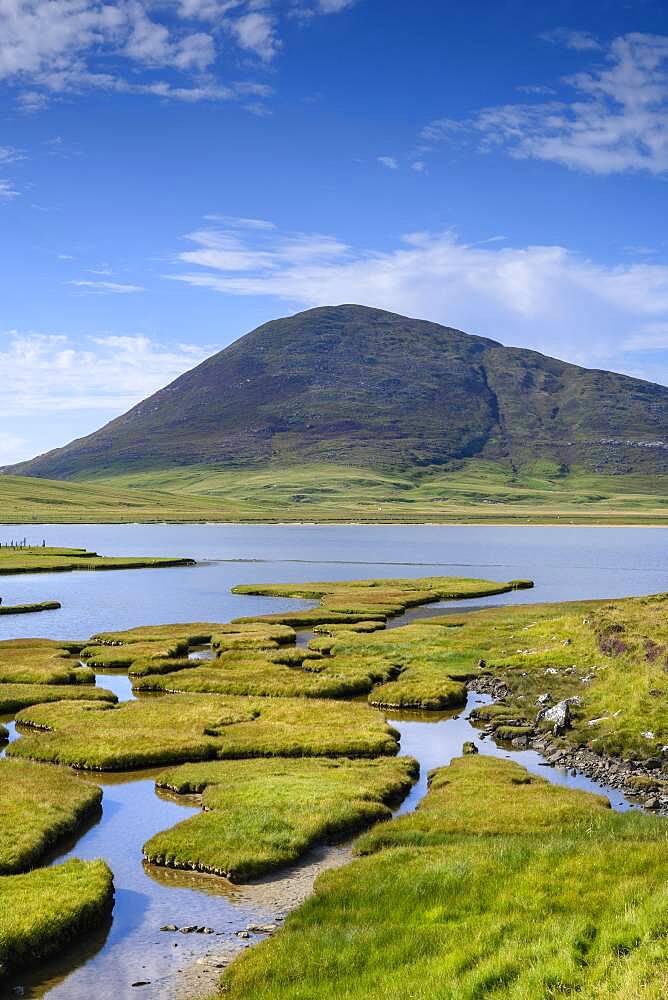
[566, 563]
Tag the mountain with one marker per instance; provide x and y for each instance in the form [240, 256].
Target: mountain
[351, 385]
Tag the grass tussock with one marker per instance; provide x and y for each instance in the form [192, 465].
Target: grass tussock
[15, 697]
[48, 559]
[41, 661]
[284, 673]
[171, 730]
[494, 888]
[419, 671]
[46, 910]
[484, 796]
[259, 817]
[355, 601]
[38, 806]
[27, 609]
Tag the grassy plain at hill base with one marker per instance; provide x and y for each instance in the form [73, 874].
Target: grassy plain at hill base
[468, 492]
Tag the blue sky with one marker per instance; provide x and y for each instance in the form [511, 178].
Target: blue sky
[173, 174]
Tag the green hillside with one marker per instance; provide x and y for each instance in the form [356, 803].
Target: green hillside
[348, 385]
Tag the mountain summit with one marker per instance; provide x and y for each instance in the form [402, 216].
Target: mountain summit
[353, 385]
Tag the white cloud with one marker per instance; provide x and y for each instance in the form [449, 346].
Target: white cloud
[616, 120]
[237, 222]
[8, 154]
[579, 41]
[419, 166]
[106, 287]
[48, 49]
[541, 297]
[42, 373]
[7, 192]
[256, 32]
[389, 161]
[52, 47]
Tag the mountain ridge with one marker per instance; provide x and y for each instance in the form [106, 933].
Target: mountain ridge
[356, 385]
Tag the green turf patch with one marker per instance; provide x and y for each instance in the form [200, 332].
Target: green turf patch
[45, 911]
[171, 730]
[27, 609]
[38, 806]
[478, 795]
[260, 816]
[354, 601]
[47, 559]
[499, 886]
[41, 661]
[284, 673]
[14, 697]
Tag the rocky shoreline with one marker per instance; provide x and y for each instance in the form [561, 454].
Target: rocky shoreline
[646, 782]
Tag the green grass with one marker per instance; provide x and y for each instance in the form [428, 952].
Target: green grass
[175, 729]
[148, 650]
[480, 796]
[193, 633]
[259, 817]
[478, 492]
[39, 805]
[39, 559]
[495, 889]
[15, 697]
[40, 661]
[119, 657]
[612, 655]
[254, 674]
[46, 911]
[27, 609]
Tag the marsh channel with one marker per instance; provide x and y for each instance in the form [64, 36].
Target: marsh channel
[131, 956]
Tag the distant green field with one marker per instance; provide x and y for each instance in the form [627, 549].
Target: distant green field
[473, 492]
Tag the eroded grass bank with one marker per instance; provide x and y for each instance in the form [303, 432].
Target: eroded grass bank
[499, 885]
[50, 559]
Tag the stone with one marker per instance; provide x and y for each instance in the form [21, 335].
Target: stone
[169, 927]
[544, 699]
[559, 716]
[189, 930]
[651, 803]
[469, 748]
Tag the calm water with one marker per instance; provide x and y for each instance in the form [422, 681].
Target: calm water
[566, 563]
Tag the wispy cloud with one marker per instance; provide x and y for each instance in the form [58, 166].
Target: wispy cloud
[543, 297]
[106, 287]
[256, 32]
[7, 191]
[42, 372]
[615, 120]
[8, 154]
[390, 162]
[174, 50]
[579, 41]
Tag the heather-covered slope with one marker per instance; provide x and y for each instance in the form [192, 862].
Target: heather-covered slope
[364, 387]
